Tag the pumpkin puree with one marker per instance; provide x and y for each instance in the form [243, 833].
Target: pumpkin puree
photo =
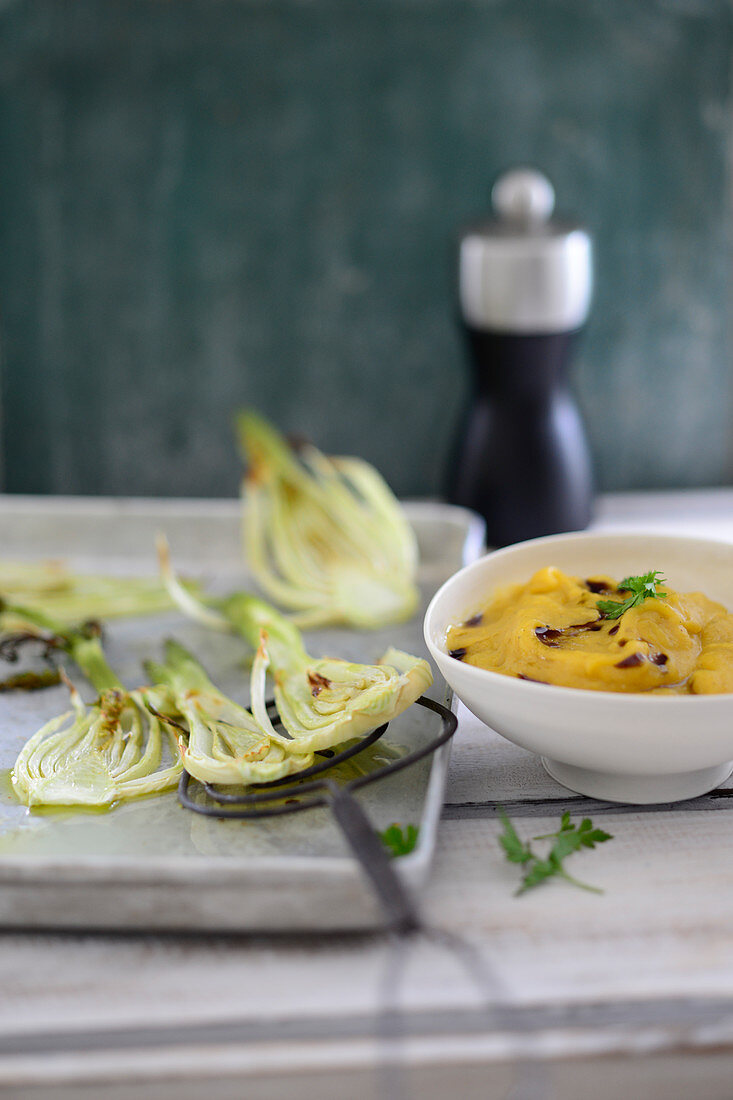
[550, 630]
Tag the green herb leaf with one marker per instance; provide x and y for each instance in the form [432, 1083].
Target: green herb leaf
[516, 851]
[567, 842]
[399, 841]
[644, 587]
[611, 609]
[589, 836]
[569, 838]
[540, 871]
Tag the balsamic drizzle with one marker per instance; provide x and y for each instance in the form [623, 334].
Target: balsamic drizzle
[632, 661]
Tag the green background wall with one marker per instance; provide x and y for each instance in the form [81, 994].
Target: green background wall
[208, 203]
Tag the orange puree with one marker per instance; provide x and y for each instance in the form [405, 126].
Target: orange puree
[551, 630]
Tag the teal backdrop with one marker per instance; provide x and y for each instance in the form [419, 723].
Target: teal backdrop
[213, 203]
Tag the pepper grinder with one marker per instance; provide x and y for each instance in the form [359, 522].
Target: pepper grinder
[522, 459]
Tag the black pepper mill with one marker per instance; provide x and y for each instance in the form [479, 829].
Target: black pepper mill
[522, 459]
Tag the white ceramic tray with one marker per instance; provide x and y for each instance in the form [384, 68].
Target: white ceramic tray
[151, 864]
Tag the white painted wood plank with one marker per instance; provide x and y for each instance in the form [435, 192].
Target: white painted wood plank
[431, 1073]
[485, 766]
[663, 928]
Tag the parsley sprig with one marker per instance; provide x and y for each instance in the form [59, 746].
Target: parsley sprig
[644, 587]
[568, 839]
[399, 841]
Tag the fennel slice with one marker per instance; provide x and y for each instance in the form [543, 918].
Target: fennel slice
[95, 756]
[325, 538]
[323, 703]
[219, 740]
[53, 589]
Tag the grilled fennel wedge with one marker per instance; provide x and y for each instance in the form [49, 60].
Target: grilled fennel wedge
[322, 701]
[92, 755]
[324, 537]
[221, 741]
[96, 755]
[51, 588]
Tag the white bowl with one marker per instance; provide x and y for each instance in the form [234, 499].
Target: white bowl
[619, 747]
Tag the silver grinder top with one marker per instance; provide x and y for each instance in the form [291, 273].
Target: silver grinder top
[520, 271]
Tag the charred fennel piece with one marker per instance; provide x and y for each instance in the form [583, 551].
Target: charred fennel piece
[322, 701]
[324, 537]
[52, 589]
[221, 741]
[82, 644]
[31, 681]
[93, 755]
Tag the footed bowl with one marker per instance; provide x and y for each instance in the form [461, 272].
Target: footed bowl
[633, 748]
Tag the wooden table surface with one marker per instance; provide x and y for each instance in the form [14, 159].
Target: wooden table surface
[555, 994]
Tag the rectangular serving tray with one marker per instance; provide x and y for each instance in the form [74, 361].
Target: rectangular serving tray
[150, 864]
